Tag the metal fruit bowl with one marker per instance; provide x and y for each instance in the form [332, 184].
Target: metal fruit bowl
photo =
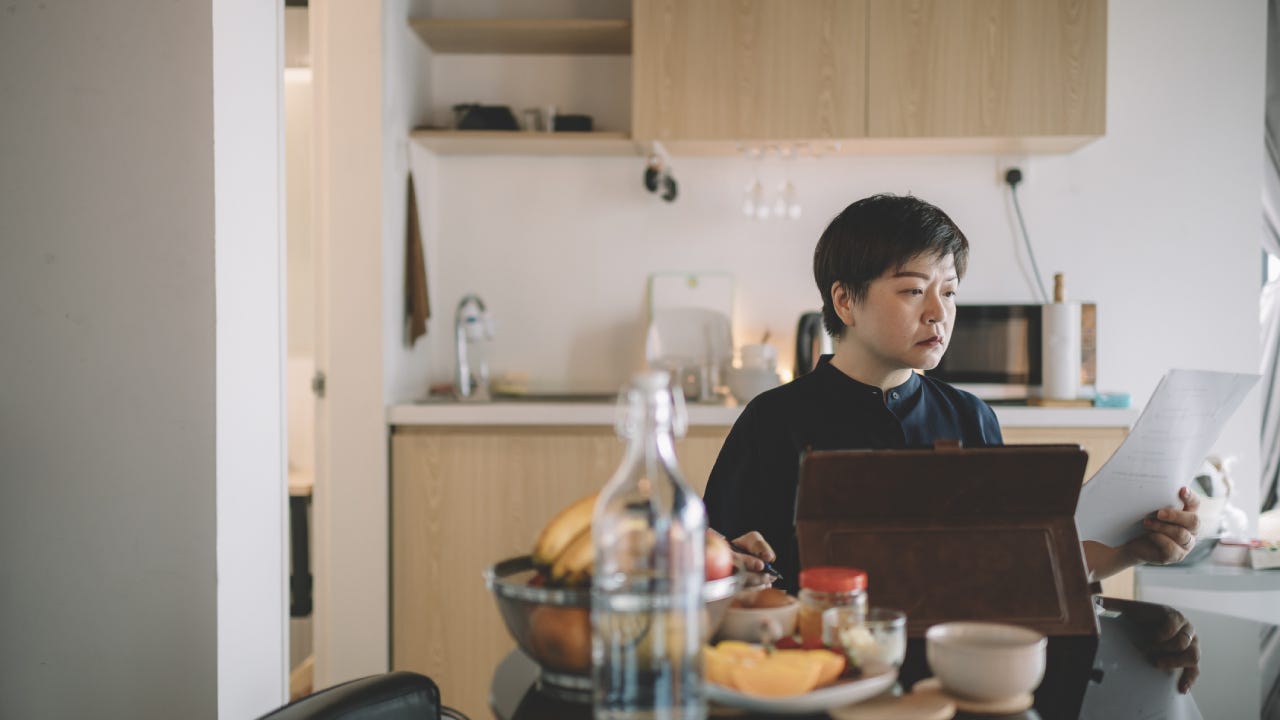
[553, 625]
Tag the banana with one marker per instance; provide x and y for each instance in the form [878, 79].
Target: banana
[562, 530]
[573, 566]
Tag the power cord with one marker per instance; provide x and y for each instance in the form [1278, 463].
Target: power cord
[1011, 178]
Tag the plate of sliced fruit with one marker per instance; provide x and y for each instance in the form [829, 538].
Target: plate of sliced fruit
[790, 681]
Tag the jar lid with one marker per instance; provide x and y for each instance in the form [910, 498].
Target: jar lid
[833, 579]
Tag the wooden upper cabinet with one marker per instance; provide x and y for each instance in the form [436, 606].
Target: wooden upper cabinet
[749, 69]
[987, 68]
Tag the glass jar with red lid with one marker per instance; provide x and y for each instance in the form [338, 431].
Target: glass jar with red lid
[827, 587]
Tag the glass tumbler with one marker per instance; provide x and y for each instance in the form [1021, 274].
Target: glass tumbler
[880, 637]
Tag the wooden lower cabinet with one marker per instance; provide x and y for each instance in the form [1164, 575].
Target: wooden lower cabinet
[1100, 443]
[464, 498]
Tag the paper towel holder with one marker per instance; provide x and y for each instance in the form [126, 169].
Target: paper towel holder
[1060, 342]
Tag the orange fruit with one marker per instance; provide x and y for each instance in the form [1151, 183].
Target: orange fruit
[832, 665]
[560, 637]
[777, 676]
[738, 650]
[717, 666]
[799, 657]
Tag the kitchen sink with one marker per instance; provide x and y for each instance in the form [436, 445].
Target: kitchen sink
[556, 397]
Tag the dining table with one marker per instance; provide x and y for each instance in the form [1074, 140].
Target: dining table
[1116, 677]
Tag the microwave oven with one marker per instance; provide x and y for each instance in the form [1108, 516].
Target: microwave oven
[994, 351]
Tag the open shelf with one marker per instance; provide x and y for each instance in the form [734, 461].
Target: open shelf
[525, 37]
[501, 142]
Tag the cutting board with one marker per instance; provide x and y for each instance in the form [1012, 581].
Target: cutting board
[703, 290]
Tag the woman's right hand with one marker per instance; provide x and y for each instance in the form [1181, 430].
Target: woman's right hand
[758, 552]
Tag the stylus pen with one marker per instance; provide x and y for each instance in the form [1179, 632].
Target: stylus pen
[767, 567]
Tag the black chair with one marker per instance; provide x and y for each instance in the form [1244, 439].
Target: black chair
[392, 696]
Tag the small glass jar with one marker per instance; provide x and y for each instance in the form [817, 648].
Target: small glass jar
[878, 636]
[828, 587]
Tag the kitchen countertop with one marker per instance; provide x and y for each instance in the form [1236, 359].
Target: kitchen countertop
[446, 413]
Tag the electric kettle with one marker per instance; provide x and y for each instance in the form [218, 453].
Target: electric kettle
[812, 342]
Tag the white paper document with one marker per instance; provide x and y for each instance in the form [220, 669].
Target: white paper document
[1175, 432]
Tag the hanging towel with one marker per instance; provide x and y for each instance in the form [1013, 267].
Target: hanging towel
[417, 305]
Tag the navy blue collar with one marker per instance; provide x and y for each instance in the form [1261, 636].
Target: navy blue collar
[911, 385]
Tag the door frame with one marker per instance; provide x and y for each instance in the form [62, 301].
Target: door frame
[250, 334]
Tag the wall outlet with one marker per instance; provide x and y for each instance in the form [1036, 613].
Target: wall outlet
[1005, 163]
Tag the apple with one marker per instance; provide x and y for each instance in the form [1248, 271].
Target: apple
[719, 557]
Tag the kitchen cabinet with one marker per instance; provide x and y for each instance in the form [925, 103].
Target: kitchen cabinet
[464, 497]
[987, 68]
[842, 76]
[1100, 442]
[866, 76]
[750, 71]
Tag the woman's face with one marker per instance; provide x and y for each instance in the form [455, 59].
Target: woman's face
[905, 321]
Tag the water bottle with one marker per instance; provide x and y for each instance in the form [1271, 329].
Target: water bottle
[649, 531]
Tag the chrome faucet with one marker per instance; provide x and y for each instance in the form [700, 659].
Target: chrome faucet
[471, 324]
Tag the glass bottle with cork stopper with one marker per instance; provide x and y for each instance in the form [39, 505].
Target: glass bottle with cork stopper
[827, 587]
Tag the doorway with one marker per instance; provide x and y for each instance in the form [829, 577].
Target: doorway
[301, 364]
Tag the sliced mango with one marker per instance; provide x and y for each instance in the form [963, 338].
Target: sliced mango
[833, 665]
[717, 667]
[741, 650]
[777, 676]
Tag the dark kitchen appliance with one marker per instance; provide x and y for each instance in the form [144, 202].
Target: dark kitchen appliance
[812, 342]
[473, 116]
[573, 123]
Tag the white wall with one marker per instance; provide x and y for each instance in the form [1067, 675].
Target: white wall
[141, 538]
[1157, 222]
[406, 94]
[107, 402]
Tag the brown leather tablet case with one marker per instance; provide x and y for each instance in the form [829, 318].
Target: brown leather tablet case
[947, 534]
[954, 534]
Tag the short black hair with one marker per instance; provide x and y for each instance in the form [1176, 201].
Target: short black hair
[877, 234]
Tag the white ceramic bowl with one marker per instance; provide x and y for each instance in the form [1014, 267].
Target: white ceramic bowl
[985, 661]
[746, 383]
[744, 623]
[760, 355]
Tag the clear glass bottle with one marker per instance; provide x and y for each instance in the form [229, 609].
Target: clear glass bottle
[649, 531]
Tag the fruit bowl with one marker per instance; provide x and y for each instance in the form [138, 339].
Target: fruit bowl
[552, 625]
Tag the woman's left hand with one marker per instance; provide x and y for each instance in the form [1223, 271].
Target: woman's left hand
[1171, 532]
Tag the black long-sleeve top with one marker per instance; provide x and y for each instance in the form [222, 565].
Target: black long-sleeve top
[753, 484]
